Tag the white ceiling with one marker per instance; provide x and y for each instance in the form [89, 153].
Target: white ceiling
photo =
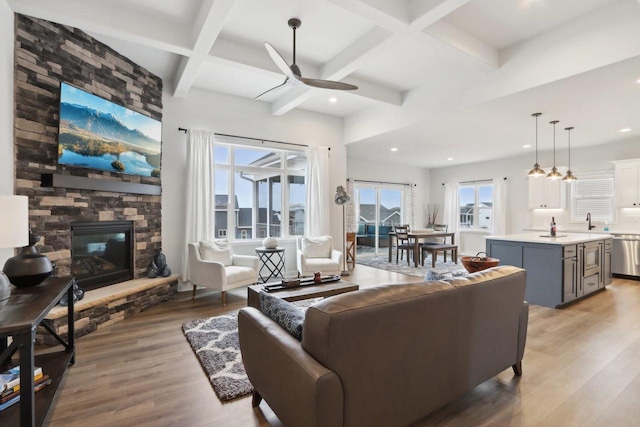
[437, 78]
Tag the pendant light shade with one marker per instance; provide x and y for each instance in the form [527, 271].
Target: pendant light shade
[554, 174]
[569, 176]
[536, 171]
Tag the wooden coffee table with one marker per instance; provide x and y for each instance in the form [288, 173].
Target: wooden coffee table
[301, 292]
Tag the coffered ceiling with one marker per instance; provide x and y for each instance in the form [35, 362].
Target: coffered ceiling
[438, 78]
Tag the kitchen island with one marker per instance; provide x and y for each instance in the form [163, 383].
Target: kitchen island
[561, 269]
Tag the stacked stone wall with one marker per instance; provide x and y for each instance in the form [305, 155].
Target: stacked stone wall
[47, 54]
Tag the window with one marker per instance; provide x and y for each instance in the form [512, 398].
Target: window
[222, 233]
[377, 211]
[476, 205]
[260, 204]
[593, 194]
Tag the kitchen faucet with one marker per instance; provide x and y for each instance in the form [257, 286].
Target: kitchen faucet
[591, 227]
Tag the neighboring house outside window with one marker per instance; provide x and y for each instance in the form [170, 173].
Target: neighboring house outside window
[260, 205]
[476, 205]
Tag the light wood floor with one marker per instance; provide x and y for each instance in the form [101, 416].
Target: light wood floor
[581, 368]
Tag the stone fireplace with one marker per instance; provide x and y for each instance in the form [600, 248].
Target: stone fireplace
[47, 54]
[62, 206]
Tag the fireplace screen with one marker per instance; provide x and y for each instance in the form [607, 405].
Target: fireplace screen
[101, 253]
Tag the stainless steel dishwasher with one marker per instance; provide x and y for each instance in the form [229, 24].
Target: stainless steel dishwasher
[625, 259]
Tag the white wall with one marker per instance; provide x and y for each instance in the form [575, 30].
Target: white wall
[237, 116]
[519, 217]
[6, 108]
[370, 171]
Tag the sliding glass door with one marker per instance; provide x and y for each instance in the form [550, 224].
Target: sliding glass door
[378, 209]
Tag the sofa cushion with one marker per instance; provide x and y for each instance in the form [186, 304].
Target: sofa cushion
[285, 314]
[236, 274]
[323, 265]
[317, 247]
[218, 250]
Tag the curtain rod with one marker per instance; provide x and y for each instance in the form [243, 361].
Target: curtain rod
[253, 139]
[382, 182]
[477, 181]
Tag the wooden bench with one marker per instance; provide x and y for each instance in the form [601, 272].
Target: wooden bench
[434, 248]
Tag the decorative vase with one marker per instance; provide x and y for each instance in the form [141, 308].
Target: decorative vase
[270, 242]
[29, 267]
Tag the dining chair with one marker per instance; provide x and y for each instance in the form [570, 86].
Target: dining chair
[441, 228]
[403, 243]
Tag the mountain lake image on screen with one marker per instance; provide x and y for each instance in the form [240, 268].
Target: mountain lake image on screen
[99, 134]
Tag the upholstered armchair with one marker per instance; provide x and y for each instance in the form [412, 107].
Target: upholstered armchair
[317, 254]
[214, 265]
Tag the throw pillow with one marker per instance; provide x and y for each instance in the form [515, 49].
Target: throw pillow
[218, 250]
[318, 247]
[285, 314]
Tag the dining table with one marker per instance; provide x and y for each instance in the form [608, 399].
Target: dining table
[416, 236]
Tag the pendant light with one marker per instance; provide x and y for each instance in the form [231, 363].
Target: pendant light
[536, 171]
[569, 176]
[554, 174]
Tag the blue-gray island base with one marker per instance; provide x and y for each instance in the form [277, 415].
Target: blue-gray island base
[560, 270]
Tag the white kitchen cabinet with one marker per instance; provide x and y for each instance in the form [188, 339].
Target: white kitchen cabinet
[627, 178]
[545, 193]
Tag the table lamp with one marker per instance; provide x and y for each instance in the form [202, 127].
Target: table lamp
[14, 231]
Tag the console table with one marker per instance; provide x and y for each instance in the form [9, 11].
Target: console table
[23, 312]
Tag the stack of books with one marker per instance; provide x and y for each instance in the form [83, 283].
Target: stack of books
[10, 385]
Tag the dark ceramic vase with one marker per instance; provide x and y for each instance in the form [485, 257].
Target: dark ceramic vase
[29, 267]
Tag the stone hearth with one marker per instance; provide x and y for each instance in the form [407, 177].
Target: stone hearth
[103, 307]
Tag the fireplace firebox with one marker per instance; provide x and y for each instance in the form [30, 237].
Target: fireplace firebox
[101, 253]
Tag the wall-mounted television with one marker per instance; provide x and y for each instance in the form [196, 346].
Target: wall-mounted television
[99, 134]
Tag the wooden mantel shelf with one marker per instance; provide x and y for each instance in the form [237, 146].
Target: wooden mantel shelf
[85, 183]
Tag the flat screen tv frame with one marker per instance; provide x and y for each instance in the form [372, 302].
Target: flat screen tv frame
[98, 134]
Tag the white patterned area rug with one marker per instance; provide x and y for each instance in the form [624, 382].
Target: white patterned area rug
[215, 341]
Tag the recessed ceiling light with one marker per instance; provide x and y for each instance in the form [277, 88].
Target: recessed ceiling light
[333, 99]
[625, 130]
[638, 81]
[449, 158]
[526, 146]
[394, 149]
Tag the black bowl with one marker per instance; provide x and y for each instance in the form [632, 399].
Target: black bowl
[28, 281]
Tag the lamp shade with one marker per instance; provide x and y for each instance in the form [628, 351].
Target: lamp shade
[14, 221]
[341, 196]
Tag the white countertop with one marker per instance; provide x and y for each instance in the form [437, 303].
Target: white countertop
[598, 230]
[563, 238]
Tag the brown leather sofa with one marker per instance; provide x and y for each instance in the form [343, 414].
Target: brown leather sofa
[388, 355]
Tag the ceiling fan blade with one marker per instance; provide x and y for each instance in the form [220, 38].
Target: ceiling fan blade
[279, 60]
[273, 88]
[327, 84]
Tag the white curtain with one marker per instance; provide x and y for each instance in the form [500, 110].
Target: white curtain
[319, 195]
[500, 205]
[200, 209]
[451, 215]
[408, 207]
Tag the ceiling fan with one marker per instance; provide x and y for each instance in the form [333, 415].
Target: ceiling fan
[293, 76]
